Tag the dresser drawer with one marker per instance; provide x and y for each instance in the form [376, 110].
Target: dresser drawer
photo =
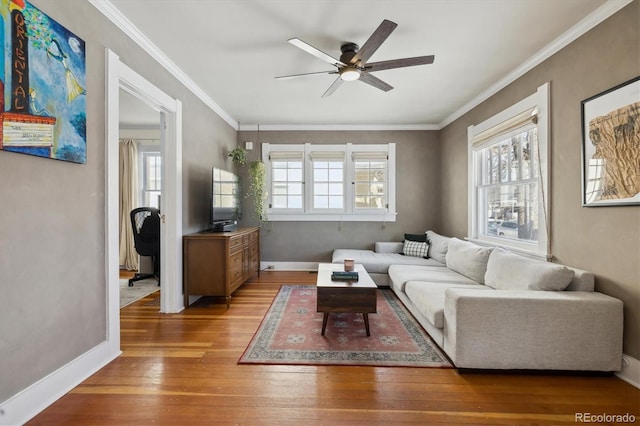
[235, 243]
[235, 266]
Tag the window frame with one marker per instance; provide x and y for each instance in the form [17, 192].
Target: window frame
[349, 212]
[147, 150]
[324, 152]
[540, 102]
[269, 179]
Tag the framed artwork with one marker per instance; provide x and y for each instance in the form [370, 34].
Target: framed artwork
[43, 107]
[611, 146]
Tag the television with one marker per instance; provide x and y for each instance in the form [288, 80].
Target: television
[226, 200]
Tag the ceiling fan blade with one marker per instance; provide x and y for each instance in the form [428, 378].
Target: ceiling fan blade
[365, 77]
[399, 63]
[283, 77]
[333, 87]
[315, 52]
[373, 43]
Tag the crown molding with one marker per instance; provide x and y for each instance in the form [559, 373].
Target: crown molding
[125, 25]
[586, 24]
[337, 127]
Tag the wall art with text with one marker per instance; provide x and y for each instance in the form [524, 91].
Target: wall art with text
[43, 110]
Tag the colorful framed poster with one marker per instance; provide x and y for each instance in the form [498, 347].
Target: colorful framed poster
[43, 110]
[611, 146]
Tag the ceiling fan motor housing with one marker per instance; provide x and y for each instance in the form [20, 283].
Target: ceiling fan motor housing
[348, 50]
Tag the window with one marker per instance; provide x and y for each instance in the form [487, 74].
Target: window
[287, 181]
[151, 178]
[328, 180]
[370, 178]
[345, 182]
[508, 179]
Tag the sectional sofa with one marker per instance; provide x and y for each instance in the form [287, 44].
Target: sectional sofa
[488, 308]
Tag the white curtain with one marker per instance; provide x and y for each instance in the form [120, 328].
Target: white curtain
[128, 194]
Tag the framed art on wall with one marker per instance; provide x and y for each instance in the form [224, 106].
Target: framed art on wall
[43, 102]
[611, 146]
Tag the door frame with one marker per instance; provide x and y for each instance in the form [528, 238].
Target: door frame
[120, 76]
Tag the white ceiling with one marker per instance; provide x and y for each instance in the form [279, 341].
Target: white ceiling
[233, 49]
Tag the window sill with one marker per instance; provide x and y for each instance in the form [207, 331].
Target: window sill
[331, 217]
[520, 248]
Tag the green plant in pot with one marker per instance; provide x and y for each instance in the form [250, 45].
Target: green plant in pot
[257, 190]
[239, 156]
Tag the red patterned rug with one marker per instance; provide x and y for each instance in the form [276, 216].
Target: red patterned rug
[290, 333]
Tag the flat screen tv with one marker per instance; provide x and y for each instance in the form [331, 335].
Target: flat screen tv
[226, 198]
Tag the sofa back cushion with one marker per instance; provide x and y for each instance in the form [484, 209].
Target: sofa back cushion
[509, 271]
[388, 247]
[468, 259]
[437, 246]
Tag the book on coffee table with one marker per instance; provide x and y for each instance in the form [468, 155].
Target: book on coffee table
[344, 276]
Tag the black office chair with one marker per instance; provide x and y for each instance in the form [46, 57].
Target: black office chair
[145, 222]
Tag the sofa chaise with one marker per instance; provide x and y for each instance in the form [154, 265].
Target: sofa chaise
[488, 308]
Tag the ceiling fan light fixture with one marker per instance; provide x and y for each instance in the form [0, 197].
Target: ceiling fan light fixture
[349, 74]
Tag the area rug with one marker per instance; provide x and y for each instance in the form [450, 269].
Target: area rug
[290, 333]
[140, 289]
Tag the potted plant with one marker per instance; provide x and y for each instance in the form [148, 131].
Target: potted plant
[239, 156]
[257, 190]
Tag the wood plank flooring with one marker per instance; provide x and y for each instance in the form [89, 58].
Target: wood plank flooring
[181, 369]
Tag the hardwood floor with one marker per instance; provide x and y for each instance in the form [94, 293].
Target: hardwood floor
[125, 274]
[181, 369]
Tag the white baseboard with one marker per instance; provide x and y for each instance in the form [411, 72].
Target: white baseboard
[630, 372]
[288, 266]
[25, 405]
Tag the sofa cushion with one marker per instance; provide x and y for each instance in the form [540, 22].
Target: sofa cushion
[437, 246]
[415, 248]
[378, 262]
[509, 271]
[428, 298]
[388, 247]
[468, 259]
[422, 238]
[399, 275]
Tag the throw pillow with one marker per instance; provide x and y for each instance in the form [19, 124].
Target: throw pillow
[509, 271]
[422, 238]
[415, 248]
[468, 259]
[437, 246]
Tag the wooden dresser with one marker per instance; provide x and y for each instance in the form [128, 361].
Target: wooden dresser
[217, 263]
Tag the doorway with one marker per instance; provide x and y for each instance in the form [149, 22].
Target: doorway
[140, 157]
[120, 76]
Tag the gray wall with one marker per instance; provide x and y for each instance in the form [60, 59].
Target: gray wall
[52, 240]
[605, 240]
[417, 197]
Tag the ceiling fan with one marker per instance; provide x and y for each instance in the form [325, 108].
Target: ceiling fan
[353, 65]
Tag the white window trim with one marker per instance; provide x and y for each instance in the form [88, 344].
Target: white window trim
[309, 194]
[349, 214]
[144, 147]
[266, 151]
[541, 249]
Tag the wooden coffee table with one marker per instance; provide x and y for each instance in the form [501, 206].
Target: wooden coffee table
[345, 296]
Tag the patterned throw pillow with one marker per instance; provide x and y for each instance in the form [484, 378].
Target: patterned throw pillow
[415, 248]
